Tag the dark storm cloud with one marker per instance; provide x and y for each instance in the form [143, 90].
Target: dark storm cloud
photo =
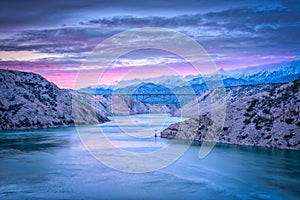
[158, 21]
[61, 40]
[20, 14]
[243, 27]
[242, 19]
[224, 28]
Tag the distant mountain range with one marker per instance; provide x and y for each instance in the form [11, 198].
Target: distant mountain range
[96, 90]
[164, 94]
[272, 73]
[282, 72]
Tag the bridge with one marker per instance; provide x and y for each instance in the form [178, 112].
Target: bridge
[175, 98]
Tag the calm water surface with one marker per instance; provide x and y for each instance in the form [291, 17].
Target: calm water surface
[53, 164]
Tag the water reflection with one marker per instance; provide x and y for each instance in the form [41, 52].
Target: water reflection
[35, 140]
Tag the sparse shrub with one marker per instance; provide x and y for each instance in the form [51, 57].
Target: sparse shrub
[250, 109]
[288, 136]
[38, 123]
[19, 84]
[253, 103]
[257, 120]
[15, 108]
[12, 98]
[268, 136]
[266, 111]
[272, 92]
[247, 114]
[289, 120]
[58, 123]
[2, 109]
[12, 72]
[269, 124]
[286, 96]
[258, 127]
[295, 86]
[4, 120]
[25, 123]
[247, 121]
[268, 129]
[70, 121]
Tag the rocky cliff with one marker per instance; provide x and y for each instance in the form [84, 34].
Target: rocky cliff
[30, 101]
[266, 118]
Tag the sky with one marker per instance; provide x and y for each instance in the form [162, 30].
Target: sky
[54, 38]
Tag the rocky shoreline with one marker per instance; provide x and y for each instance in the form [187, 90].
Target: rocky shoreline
[268, 119]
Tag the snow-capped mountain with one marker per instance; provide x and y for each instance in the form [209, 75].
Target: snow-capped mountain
[127, 85]
[271, 73]
[274, 72]
[168, 81]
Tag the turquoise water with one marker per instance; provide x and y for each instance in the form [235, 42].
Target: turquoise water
[53, 164]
